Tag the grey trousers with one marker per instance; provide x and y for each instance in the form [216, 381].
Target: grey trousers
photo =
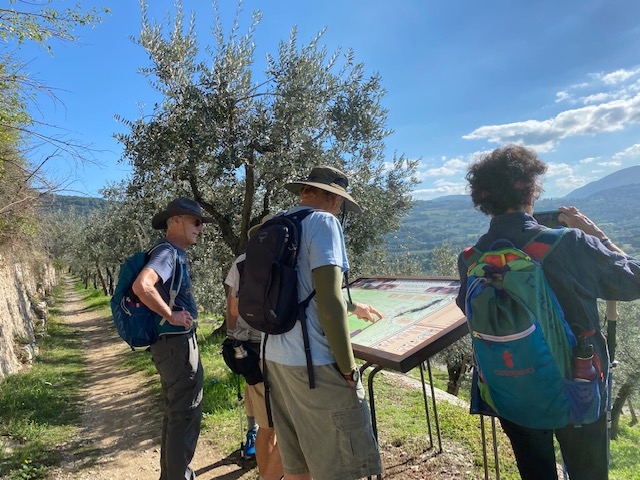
[177, 360]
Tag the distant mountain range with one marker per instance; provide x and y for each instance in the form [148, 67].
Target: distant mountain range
[69, 204]
[621, 178]
[612, 202]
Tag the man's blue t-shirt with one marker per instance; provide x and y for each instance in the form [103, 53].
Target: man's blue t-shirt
[162, 262]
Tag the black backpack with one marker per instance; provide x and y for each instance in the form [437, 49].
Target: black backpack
[268, 292]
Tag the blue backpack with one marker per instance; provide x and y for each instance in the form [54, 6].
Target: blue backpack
[136, 323]
[522, 344]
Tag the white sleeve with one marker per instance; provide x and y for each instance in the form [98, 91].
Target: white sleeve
[233, 278]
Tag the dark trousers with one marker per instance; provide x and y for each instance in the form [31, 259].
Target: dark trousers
[584, 450]
[177, 360]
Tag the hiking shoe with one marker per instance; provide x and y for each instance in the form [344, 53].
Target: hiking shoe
[250, 445]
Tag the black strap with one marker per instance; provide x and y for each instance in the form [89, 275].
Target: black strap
[302, 316]
[302, 306]
[267, 385]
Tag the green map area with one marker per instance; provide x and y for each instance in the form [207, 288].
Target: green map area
[410, 312]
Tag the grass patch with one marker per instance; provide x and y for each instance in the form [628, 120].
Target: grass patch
[94, 299]
[221, 387]
[39, 408]
[625, 456]
[220, 390]
[440, 377]
[402, 423]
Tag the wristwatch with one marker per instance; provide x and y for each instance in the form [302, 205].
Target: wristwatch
[353, 376]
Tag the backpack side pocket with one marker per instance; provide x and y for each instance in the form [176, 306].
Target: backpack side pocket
[524, 383]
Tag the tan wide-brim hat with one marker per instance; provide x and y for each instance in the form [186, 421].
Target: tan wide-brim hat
[255, 228]
[330, 179]
[179, 206]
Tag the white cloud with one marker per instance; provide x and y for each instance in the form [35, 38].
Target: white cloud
[450, 167]
[478, 155]
[587, 160]
[618, 76]
[569, 183]
[610, 164]
[598, 98]
[440, 188]
[556, 169]
[544, 135]
[632, 151]
[562, 96]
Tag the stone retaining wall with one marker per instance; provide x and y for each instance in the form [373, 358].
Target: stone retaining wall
[24, 288]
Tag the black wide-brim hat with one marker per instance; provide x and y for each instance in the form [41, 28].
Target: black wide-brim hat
[330, 179]
[179, 206]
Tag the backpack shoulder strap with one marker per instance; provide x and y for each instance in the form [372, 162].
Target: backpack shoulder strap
[471, 255]
[301, 215]
[174, 287]
[173, 291]
[538, 247]
[543, 243]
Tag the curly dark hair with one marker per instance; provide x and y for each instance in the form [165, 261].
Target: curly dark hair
[507, 178]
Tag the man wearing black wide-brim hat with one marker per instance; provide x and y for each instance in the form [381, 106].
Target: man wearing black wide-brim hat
[181, 381]
[314, 425]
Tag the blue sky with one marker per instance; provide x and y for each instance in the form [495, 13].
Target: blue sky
[462, 77]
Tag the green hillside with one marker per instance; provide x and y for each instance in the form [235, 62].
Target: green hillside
[82, 206]
[454, 220]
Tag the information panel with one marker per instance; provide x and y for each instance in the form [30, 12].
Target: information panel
[420, 318]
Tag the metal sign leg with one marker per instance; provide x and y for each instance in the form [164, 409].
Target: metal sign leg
[372, 404]
[435, 408]
[483, 434]
[495, 447]
[426, 405]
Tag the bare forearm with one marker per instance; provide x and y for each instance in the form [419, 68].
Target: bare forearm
[151, 298]
[145, 288]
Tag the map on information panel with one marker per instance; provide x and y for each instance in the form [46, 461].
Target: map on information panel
[420, 318]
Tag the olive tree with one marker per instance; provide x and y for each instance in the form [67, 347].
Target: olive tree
[230, 136]
[626, 375]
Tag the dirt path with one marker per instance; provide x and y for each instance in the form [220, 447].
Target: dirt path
[120, 424]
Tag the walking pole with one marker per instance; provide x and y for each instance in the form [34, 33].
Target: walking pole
[611, 317]
[242, 459]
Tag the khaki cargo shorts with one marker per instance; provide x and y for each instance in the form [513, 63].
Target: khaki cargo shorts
[326, 430]
[258, 405]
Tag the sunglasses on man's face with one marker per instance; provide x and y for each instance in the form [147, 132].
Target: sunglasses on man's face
[196, 221]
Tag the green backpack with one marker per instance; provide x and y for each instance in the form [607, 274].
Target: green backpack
[521, 342]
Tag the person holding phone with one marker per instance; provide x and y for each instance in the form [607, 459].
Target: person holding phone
[584, 266]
